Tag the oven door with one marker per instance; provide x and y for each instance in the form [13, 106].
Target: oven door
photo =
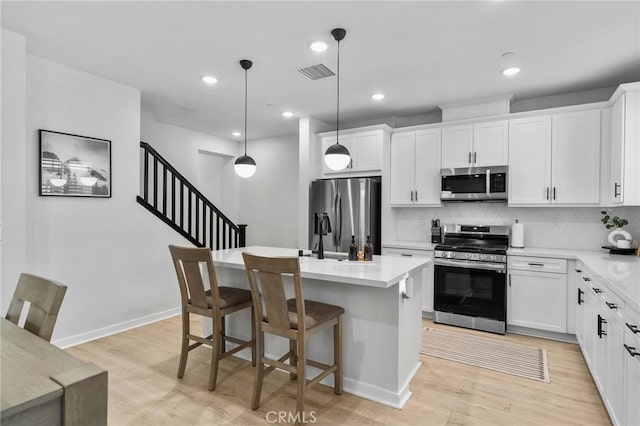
[475, 289]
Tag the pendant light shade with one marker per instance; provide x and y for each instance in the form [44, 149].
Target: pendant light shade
[337, 156]
[245, 166]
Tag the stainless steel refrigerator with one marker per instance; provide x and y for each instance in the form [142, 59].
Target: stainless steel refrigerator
[353, 207]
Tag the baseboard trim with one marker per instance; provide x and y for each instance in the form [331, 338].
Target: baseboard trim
[78, 339]
[551, 335]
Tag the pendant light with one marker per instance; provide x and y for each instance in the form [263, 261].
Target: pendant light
[245, 166]
[337, 156]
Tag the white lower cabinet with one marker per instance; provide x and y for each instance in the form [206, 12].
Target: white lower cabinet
[427, 274]
[537, 293]
[631, 368]
[611, 347]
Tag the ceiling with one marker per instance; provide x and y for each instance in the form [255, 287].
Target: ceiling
[419, 53]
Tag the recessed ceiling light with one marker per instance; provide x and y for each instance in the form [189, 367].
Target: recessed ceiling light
[377, 96]
[236, 134]
[318, 46]
[209, 79]
[287, 114]
[511, 71]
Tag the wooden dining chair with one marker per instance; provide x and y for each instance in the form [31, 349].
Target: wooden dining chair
[44, 296]
[215, 303]
[295, 319]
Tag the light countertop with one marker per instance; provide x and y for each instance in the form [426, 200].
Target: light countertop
[413, 245]
[382, 272]
[620, 272]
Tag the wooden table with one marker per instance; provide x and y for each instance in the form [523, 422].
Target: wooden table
[43, 385]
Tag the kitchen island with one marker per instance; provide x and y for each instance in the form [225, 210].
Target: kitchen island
[382, 320]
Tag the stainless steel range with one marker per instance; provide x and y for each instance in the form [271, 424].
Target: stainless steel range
[470, 287]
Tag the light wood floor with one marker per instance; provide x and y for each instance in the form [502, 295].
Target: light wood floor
[144, 390]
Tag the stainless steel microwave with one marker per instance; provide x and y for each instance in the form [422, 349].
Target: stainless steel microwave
[474, 184]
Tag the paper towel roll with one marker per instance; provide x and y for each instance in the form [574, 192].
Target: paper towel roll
[517, 235]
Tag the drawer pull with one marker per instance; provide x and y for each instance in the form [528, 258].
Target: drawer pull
[611, 305]
[631, 350]
[406, 255]
[535, 264]
[633, 328]
[597, 290]
[601, 331]
[586, 279]
[579, 271]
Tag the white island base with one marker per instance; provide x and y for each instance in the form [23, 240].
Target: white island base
[382, 320]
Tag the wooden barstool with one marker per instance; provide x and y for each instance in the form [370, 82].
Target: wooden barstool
[215, 303]
[296, 319]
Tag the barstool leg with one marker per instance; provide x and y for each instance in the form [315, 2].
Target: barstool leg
[216, 349]
[301, 368]
[337, 356]
[293, 361]
[184, 347]
[257, 387]
[253, 337]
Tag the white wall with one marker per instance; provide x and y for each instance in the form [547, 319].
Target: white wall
[110, 252]
[190, 151]
[269, 203]
[13, 161]
[553, 227]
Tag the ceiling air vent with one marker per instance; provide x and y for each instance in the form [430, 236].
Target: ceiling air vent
[316, 72]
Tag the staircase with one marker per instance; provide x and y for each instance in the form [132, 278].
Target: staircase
[174, 200]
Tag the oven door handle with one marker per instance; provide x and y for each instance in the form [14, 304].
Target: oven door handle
[500, 267]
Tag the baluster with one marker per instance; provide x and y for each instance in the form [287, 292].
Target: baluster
[145, 188]
[181, 205]
[164, 190]
[189, 213]
[224, 235]
[217, 232]
[155, 183]
[211, 229]
[197, 233]
[173, 197]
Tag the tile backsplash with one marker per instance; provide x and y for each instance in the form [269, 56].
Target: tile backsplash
[548, 227]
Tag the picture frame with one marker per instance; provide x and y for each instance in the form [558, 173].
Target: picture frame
[74, 165]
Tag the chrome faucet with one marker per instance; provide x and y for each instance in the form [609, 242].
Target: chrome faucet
[322, 226]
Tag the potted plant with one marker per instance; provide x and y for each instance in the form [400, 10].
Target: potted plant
[617, 223]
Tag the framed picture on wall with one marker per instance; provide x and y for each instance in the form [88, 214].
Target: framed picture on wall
[74, 165]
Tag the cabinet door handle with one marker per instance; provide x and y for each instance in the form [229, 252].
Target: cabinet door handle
[579, 271]
[631, 350]
[469, 157]
[601, 331]
[416, 191]
[547, 193]
[412, 195]
[580, 293]
[509, 280]
[535, 264]
[611, 305]
[475, 156]
[554, 192]
[616, 186]
[633, 328]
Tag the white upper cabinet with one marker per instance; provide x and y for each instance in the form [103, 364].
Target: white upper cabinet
[415, 168]
[623, 186]
[364, 145]
[575, 154]
[530, 160]
[555, 159]
[475, 145]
